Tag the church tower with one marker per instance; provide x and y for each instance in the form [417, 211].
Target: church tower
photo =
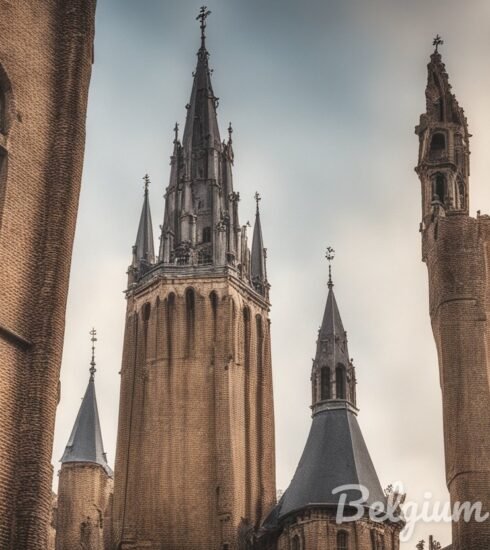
[335, 455]
[455, 248]
[46, 55]
[85, 483]
[195, 448]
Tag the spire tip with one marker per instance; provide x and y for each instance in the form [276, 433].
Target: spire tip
[204, 13]
[257, 198]
[330, 255]
[438, 41]
[93, 339]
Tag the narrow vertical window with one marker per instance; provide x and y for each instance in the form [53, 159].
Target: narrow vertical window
[3, 110]
[440, 187]
[190, 316]
[170, 318]
[325, 383]
[213, 297]
[340, 382]
[342, 540]
[296, 543]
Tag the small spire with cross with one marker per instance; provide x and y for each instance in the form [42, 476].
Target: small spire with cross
[438, 41]
[93, 339]
[330, 255]
[146, 179]
[230, 131]
[176, 132]
[257, 198]
[204, 13]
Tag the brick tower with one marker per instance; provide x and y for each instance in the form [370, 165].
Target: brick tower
[455, 248]
[195, 448]
[85, 483]
[335, 455]
[46, 52]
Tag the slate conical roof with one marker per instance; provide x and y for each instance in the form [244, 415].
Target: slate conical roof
[85, 443]
[335, 453]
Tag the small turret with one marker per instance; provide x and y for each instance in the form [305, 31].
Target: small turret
[258, 269]
[333, 374]
[443, 166]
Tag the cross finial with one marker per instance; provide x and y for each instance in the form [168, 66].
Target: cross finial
[146, 179]
[330, 255]
[93, 339]
[257, 198]
[204, 13]
[230, 131]
[438, 41]
[176, 132]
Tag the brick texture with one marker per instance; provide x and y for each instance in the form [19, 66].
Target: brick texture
[46, 51]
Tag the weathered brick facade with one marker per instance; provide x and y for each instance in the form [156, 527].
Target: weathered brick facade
[46, 51]
[84, 491]
[455, 248]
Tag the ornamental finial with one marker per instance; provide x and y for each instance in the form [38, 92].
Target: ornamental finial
[330, 255]
[257, 198]
[438, 41]
[146, 179]
[93, 339]
[230, 131]
[176, 132]
[204, 13]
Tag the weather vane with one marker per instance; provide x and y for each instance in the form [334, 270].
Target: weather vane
[204, 13]
[330, 255]
[146, 179]
[93, 339]
[438, 41]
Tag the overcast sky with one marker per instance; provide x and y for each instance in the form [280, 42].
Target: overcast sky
[323, 97]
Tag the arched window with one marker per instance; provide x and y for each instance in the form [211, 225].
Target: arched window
[325, 383]
[437, 146]
[169, 322]
[342, 540]
[340, 382]
[206, 235]
[296, 543]
[439, 187]
[190, 315]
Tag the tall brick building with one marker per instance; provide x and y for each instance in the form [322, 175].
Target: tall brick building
[195, 448]
[455, 248]
[46, 52]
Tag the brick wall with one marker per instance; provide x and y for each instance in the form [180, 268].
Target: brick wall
[45, 65]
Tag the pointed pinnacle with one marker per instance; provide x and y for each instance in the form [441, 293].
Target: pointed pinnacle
[93, 339]
[330, 255]
[176, 131]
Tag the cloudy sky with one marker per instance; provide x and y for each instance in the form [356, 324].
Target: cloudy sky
[324, 96]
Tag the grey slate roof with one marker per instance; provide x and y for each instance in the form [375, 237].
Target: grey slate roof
[332, 322]
[335, 454]
[85, 443]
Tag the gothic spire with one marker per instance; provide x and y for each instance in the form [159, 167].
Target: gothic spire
[85, 443]
[201, 127]
[144, 246]
[257, 265]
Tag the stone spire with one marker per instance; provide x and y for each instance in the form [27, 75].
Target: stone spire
[85, 443]
[258, 269]
[333, 374]
[201, 224]
[144, 252]
[443, 165]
